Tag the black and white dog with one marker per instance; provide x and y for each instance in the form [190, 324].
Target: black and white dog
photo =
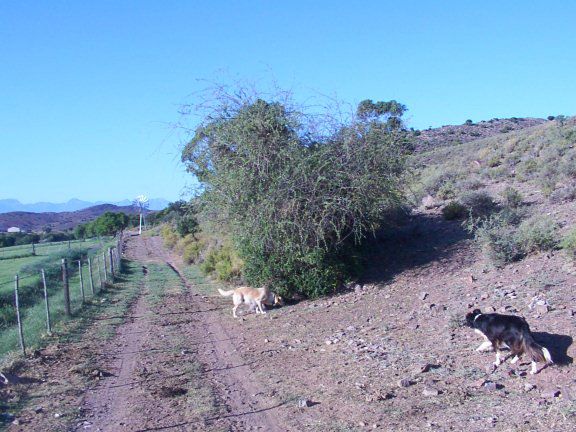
[507, 331]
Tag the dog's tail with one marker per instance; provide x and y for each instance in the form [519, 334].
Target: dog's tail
[225, 293]
[536, 352]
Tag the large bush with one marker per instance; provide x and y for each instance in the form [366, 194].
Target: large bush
[296, 192]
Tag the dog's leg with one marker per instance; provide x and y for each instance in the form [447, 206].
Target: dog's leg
[484, 346]
[534, 369]
[498, 360]
[515, 359]
[259, 304]
[234, 311]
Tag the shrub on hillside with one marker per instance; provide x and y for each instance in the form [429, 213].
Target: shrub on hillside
[569, 244]
[511, 197]
[169, 236]
[566, 193]
[478, 203]
[496, 238]
[538, 233]
[454, 210]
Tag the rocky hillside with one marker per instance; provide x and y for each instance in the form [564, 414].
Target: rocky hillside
[58, 221]
[470, 131]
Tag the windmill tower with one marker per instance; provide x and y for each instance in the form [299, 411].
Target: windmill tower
[142, 203]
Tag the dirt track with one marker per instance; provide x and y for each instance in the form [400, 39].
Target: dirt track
[149, 359]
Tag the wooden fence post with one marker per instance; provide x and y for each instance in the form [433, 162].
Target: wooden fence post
[20, 333]
[48, 326]
[68, 244]
[91, 277]
[33, 249]
[111, 255]
[81, 280]
[66, 287]
[99, 272]
[105, 268]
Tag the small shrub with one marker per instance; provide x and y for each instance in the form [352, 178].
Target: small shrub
[527, 169]
[169, 236]
[538, 233]
[446, 191]
[496, 238]
[566, 193]
[470, 184]
[454, 210]
[223, 263]
[569, 244]
[478, 203]
[511, 197]
[494, 161]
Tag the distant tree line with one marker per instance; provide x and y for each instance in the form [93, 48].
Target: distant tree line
[108, 223]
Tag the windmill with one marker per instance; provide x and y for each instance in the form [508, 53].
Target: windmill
[141, 201]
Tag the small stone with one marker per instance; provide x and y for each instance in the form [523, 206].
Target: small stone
[491, 386]
[550, 394]
[16, 422]
[404, 382]
[423, 295]
[57, 415]
[361, 424]
[484, 296]
[430, 391]
[304, 403]
[529, 386]
[541, 308]
[328, 342]
[38, 410]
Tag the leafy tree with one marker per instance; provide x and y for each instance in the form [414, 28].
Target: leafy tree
[296, 200]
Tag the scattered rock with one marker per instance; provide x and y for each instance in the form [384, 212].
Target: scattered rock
[529, 386]
[423, 295]
[404, 382]
[490, 386]
[38, 410]
[541, 309]
[429, 202]
[422, 368]
[484, 296]
[430, 391]
[550, 394]
[304, 403]
[57, 415]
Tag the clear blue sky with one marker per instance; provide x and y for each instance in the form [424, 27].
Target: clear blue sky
[88, 90]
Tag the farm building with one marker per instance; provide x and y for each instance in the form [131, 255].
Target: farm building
[14, 230]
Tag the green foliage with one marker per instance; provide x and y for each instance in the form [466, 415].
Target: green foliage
[295, 191]
[502, 242]
[511, 197]
[446, 191]
[569, 243]
[106, 224]
[454, 210]
[478, 203]
[496, 238]
[187, 224]
[538, 233]
[222, 262]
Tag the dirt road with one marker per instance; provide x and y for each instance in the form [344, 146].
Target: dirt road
[173, 366]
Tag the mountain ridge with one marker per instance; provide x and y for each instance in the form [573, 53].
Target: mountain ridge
[13, 205]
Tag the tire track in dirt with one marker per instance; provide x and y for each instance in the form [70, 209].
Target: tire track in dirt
[142, 368]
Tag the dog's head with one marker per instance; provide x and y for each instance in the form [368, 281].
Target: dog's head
[471, 316]
[278, 301]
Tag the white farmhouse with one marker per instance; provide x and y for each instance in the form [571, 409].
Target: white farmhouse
[14, 230]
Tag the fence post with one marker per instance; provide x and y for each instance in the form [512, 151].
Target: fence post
[111, 255]
[91, 277]
[66, 287]
[68, 244]
[99, 271]
[48, 326]
[33, 249]
[81, 280]
[105, 268]
[20, 333]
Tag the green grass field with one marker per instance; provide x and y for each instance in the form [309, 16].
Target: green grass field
[31, 290]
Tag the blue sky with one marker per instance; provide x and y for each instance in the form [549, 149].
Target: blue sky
[89, 91]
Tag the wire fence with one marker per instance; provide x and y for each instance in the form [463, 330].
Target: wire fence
[51, 290]
[33, 249]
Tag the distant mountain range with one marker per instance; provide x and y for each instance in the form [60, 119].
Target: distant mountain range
[13, 205]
